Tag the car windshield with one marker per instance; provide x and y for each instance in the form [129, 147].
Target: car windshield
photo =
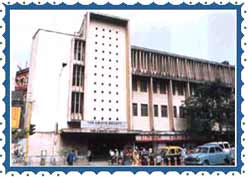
[221, 145]
[202, 150]
[226, 146]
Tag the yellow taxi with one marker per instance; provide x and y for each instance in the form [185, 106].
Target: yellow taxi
[171, 150]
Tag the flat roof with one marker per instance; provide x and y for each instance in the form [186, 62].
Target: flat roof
[179, 56]
[108, 18]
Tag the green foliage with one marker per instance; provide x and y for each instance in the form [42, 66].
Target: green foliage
[211, 109]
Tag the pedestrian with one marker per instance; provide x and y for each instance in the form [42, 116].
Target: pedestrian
[112, 156]
[89, 155]
[71, 157]
[121, 158]
[136, 158]
[151, 156]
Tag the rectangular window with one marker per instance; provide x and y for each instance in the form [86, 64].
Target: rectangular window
[78, 49]
[155, 87]
[162, 88]
[77, 102]
[135, 109]
[181, 111]
[175, 111]
[164, 111]
[134, 84]
[143, 85]
[155, 108]
[174, 88]
[180, 88]
[74, 75]
[77, 78]
[144, 110]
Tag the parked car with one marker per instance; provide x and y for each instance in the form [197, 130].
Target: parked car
[226, 147]
[223, 144]
[208, 154]
[172, 153]
[171, 150]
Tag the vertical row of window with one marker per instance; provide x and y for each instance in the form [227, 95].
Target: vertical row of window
[77, 78]
[77, 75]
[77, 103]
[78, 49]
[164, 110]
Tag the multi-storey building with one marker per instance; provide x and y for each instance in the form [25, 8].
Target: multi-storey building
[93, 90]
[19, 97]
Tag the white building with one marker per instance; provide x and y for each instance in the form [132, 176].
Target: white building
[92, 89]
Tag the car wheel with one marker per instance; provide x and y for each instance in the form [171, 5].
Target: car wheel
[205, 162]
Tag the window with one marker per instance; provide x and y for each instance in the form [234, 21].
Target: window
[77, 77]
[77, 102]
[155, 87]
[164, 111]
[144, 111]
[175, 111]
[174, 88]
[135, 109]
[155, 108]
[162, 88]
[181, 111]
[172, 151]
[134, 85]
[217, 149]
[211, 150]
[78, 49]
[180, 88]
[143, 85]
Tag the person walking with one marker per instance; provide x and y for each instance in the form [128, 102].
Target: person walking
[116, 155]
[71, 158]
[112, 156]
[89, 155]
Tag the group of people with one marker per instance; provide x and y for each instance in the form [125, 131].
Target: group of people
[134, 156]
[128, 156]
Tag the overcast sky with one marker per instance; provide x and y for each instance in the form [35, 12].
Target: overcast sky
[207, 34]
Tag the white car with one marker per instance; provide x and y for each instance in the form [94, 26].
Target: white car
[225, 147]
[208, 154]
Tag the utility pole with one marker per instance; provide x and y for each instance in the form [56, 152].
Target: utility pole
[29, 113]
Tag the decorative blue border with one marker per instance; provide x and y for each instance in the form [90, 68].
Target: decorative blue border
[137, 6]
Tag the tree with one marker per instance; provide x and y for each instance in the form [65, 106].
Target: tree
[210, 110]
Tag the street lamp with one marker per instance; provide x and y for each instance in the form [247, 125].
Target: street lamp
[64, 64]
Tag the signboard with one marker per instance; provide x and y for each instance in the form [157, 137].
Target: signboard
[103, 125]
[150, 138]
[16, 115]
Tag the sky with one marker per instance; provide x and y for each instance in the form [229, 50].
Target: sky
[206, 34]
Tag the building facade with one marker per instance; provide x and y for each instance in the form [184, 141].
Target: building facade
[19, 98]
[93, 90]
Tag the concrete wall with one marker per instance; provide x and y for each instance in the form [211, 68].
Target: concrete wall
[140, 122]
[49, 142]
[105, 72]
[48, 86]
[179, 123]
[160, 123]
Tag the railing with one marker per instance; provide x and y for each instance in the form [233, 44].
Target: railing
[47, 161]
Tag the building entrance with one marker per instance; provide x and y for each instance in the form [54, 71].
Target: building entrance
[101, 144]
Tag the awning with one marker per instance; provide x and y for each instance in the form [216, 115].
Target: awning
[105, 131]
